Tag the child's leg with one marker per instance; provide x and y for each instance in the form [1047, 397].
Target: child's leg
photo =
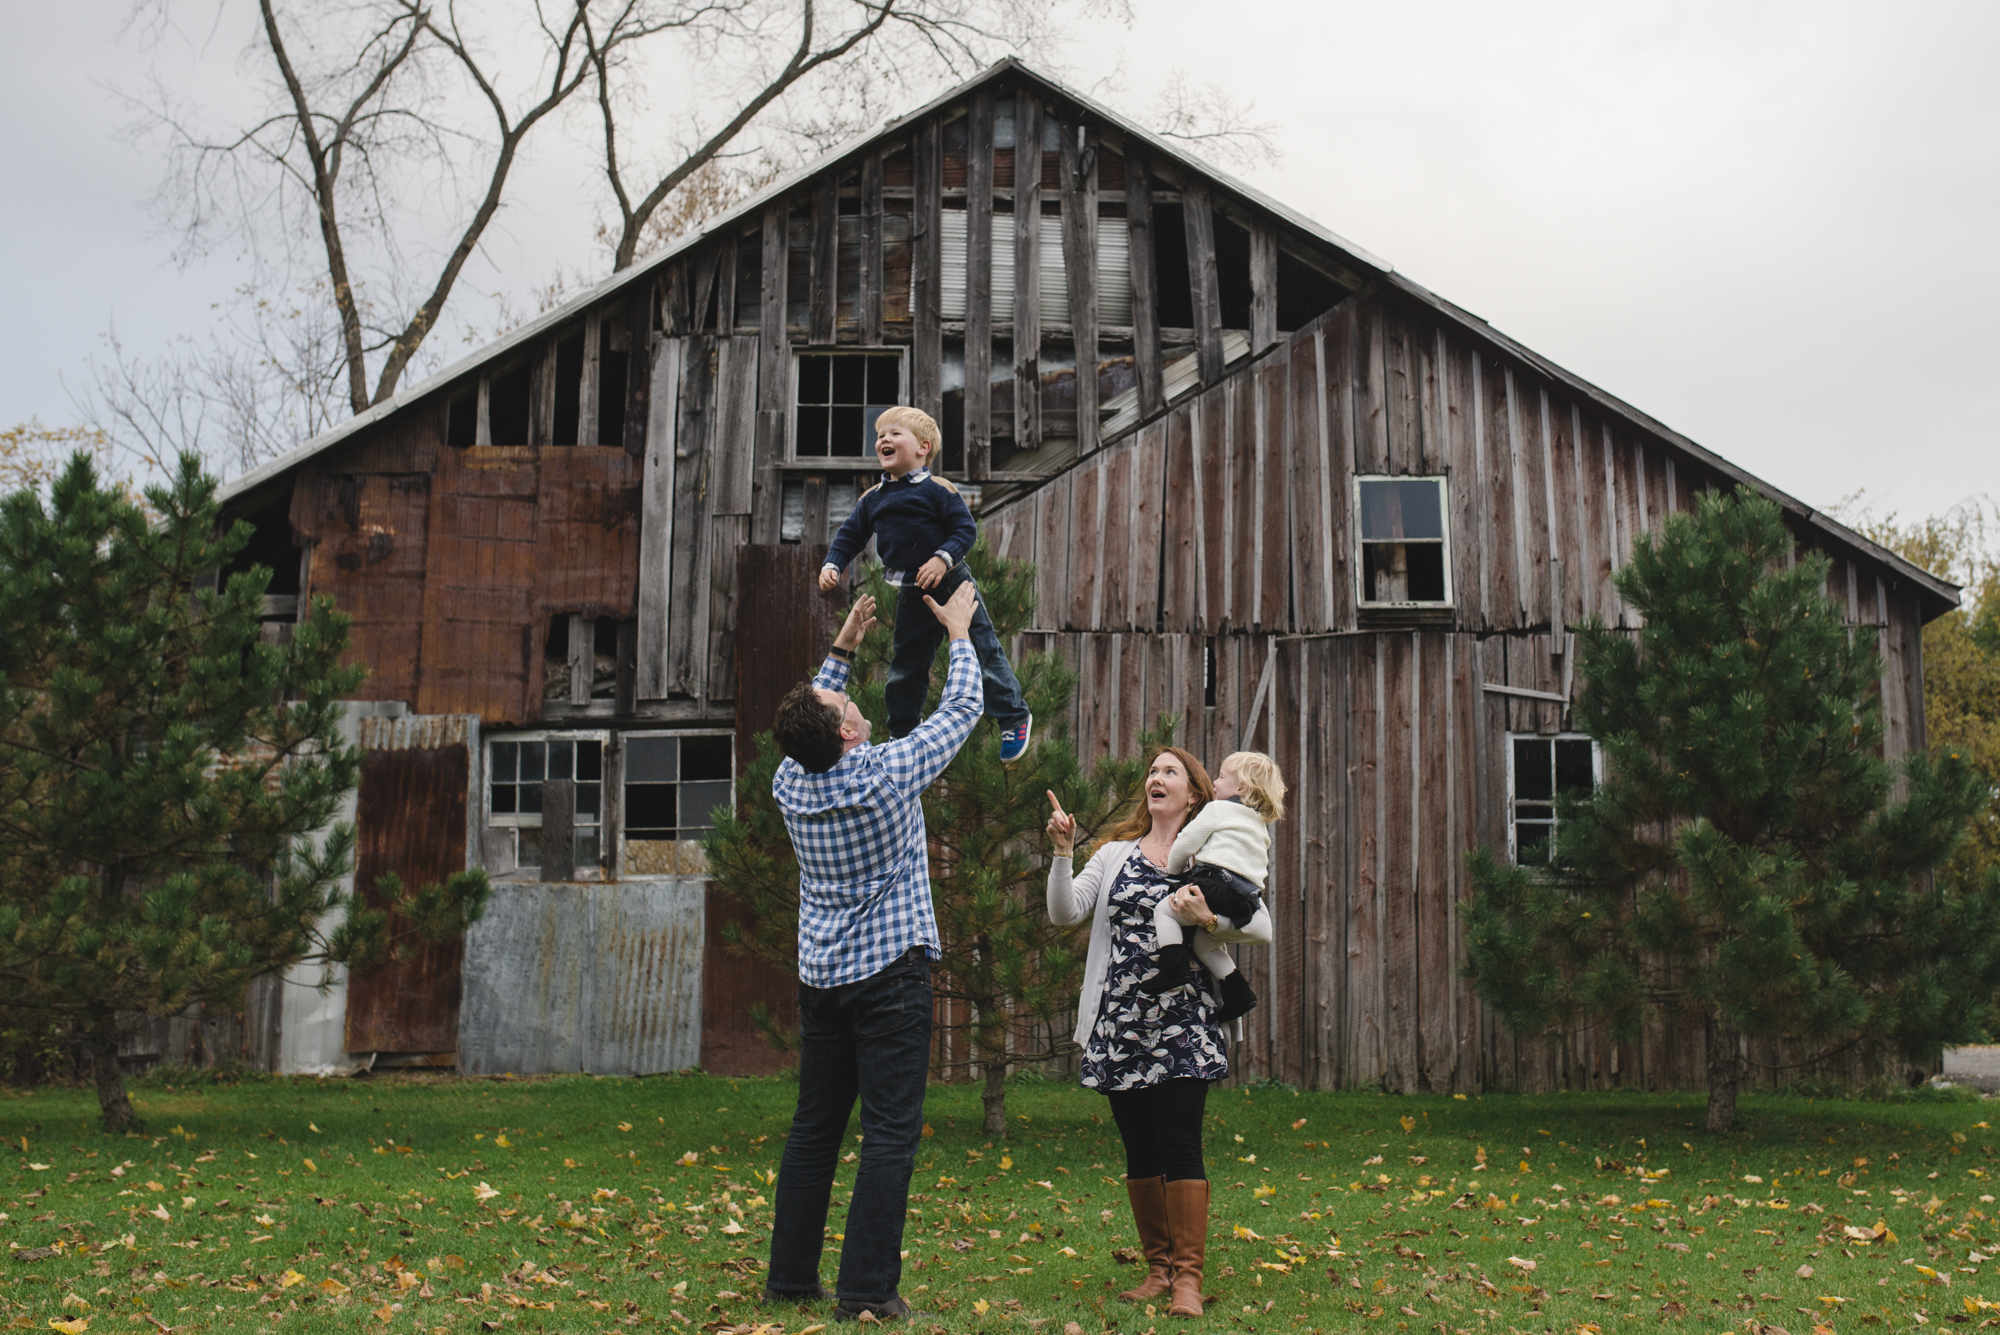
[915, 648]
[1173, 956]
[1003, 691]
[1237, 998]
[1213, 956]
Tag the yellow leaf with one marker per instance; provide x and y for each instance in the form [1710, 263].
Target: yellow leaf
[482, 1192]
[624, 1126]
[311, 1167]
[39, 1167]
[311, 1127]
[155, 1186]
[982, 1307]
[1006, 1162]
[266, 1220]
[503, 1142]
[385, 1314]
[289, 1278]
[1264, 1191]
[1409, 1123]
[732, 1227]
[1296, 1125]
[332, 1287]
[75, 1327]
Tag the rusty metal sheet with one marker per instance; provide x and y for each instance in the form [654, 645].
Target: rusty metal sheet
[587, 534]
[410, 819]
[370, 537]
[603, 979]
[782, 633]
[481, 648]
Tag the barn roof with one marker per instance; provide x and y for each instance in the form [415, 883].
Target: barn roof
[1938, 596]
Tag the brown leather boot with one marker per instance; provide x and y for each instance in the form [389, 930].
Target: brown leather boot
[1149, 1212]
[1187, 1220]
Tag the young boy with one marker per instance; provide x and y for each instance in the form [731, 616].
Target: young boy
[922, 530]
[1225, 850]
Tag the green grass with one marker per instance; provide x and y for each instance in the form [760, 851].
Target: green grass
[300, 1206]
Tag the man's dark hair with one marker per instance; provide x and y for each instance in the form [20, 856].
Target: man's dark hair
[808, 729]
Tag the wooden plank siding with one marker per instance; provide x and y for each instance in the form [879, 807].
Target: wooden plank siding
[1396, 756]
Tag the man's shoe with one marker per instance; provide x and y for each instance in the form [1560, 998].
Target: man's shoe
[893, 1310]
[1014, 740]
[1174, 971]
[1237, 998]
[815, 1294]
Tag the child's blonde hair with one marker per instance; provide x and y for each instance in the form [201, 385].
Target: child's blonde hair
[913, 420]
[1263, 787]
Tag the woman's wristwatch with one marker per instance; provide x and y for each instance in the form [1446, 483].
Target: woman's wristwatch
[1210, 925]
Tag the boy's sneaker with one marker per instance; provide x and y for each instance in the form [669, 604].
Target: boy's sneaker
[1014, 740]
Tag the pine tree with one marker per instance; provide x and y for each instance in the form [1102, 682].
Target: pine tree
[1749, 863]
[1009, 977]
[163, 771]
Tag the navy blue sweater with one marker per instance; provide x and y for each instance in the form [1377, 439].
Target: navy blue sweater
[913, 518]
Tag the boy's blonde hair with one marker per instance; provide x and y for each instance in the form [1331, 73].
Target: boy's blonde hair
[1263, 787]
[915, 421]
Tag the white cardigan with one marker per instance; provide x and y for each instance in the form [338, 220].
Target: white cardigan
[1072, 896]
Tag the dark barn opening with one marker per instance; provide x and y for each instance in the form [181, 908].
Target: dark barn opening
[461, 422]
[1170, 267]
[270, 546]
[1232, 272]
[507, 405]
[612, 363]
[1303, 293]
[569, 388]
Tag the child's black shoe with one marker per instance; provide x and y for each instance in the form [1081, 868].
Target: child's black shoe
[1174, 963]
[1237, 998]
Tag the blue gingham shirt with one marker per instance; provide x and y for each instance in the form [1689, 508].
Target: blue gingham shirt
[858, 831]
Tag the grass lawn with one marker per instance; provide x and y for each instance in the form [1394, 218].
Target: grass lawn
[581, 1204]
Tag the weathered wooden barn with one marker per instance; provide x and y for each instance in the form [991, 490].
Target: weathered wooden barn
[1269, 484]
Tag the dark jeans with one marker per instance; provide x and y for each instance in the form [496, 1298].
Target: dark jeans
[918, 635]
[1161, 1128]
[1234, 897]
[871, 1038]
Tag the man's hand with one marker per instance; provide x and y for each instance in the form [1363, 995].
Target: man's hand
[931, 571]
[829, 579]
[1062, 830]
[956, 614]
[860, 620]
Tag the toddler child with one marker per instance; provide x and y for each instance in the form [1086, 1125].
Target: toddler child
[1225, 850]
[922, 530]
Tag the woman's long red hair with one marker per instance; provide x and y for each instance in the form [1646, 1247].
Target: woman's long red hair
[1138, 823]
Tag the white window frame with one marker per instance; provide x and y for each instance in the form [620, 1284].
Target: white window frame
[518, 821]
[1555, 823]
[1361, 598]
[830, 463]
[626, 736]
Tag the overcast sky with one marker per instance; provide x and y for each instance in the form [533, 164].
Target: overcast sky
[1773, 226]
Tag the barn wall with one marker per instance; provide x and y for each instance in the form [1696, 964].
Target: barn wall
[1221, 529]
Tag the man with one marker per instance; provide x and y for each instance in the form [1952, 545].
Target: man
[867, 937]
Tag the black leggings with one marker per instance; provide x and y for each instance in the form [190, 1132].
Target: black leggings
[1161, 1128]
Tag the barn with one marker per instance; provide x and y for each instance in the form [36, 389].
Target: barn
[1269, 485]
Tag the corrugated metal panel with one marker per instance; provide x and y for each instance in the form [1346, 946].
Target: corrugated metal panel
[1114, 270]
[415, 732]
[603, 979]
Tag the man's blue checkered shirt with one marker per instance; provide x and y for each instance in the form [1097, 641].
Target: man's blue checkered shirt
[858, 831]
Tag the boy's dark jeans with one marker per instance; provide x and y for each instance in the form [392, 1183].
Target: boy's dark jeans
[1234, 897]
[918, 635]
[870, 1039]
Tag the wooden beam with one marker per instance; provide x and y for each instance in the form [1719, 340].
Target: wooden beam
[725, 285]
[656, 523]
[926, 273]
[979, 285]
[1027, 271]
[707, 269]
[1263, 286]
[774, 378]
[825, 257]
[558, 837]
[542, 394]
[1200, 219]
[582, 658]
[1145, 285]
[675, 319]
[638, 350]
[868, 298]
[586, 395]
[813, 519]
[1079, 214]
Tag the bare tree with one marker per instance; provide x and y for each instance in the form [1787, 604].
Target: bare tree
[1211, 120]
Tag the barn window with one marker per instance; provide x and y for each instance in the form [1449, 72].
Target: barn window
[518, 768]
[674, 785]
[1540, 770]
[1405, 558]
[836, 397]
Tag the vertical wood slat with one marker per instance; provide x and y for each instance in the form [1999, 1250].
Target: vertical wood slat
[656, 534]
[1145, 284]
[926, 273]
[774, 377]
[638, 388]
[582, 657]
[1460, 414]
[1148, 461]
[979, 286]
[1397, 771]
[708, 274]
[688, 566]
[726, 261]
[1027, 271]
[1431, 831]
[1272, 386]
[1198, 216]
[1366, 1063]
[1079, 217]
[586, 394]
[1263, 287]
[868, 310]
[822, 290]
[1371, 423]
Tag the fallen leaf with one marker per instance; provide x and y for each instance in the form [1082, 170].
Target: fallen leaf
[1521, 1264]
[982, 1307]
[624, 1126]
[39, 1167]
[332, 1288]
[385, 1314]
[1409, 1123]
[311, 1167]
[160, 1212]
[75, 1327]
[289, 1278]
[1296, 1125]
[1804, 1272]
[482, 1192]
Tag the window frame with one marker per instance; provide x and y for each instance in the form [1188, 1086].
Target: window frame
[626, 735]
[832, 463]
[1361, 544]
[515, 822]
[1513, 802]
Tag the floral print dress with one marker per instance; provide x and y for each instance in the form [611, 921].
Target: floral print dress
[1140, 1040]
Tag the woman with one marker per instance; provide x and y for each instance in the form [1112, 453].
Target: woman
[1153, 1057]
